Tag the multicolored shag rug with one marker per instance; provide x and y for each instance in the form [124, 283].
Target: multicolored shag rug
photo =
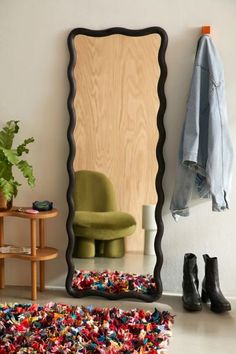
[113, 282]
[59, 328]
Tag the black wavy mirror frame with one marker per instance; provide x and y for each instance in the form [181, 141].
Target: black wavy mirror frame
[159, 57]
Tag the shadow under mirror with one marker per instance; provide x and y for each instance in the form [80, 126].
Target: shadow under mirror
[115, 165]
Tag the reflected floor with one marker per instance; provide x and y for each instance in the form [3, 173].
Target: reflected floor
[134, 263]
[113, 282]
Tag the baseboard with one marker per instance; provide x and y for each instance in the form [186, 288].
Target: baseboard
[180, 295]
[171, 294]
[165, 293]
[55, 287]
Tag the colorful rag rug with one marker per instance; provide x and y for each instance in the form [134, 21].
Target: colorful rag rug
[113, 282]
[59, 328]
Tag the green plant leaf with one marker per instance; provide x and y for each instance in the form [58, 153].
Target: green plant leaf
[5, 169]
[22, 148]
[27, 171]
[9, 188]
[11, 155]
[8, 132]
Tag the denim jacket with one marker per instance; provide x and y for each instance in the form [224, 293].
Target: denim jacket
[206, 153]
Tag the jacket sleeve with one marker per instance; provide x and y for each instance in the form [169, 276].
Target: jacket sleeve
[182, 191]
[220, 151]
[188, 151]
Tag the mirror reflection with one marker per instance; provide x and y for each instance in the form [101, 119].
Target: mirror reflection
[115, 165]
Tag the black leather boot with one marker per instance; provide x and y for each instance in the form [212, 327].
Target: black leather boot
[211, 286]
[191, 298]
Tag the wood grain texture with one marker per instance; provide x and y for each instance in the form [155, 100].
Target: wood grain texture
[116, 105]
[33, 280]
[2, 263]
[42, 254]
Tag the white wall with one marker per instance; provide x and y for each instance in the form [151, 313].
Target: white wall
[34, 89]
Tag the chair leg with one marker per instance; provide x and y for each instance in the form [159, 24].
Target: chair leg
[114, 248]
[99, 248]
[84, 248]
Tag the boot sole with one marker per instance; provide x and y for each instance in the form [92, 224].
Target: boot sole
[192, 308]
[206, 299]
[220, 310]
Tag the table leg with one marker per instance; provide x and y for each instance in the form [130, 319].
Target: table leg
[2, 263]
[42, 263]
[34, 280]
[33, 263]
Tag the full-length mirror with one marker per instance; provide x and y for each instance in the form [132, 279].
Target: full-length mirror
[116, 105]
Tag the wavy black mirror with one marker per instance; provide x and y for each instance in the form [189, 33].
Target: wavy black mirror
[116, 135]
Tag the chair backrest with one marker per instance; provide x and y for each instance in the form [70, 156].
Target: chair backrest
[93, 192]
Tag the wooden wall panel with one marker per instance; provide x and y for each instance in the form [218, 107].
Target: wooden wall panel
[116, 106]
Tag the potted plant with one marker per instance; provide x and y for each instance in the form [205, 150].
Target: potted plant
[10, 157]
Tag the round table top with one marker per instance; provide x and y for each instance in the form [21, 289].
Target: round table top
[22, 212]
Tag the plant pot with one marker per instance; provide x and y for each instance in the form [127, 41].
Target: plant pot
[4, 203]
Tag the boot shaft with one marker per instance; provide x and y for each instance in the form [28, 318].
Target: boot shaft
[211, 286]
[211, 271]
[190, 261]
[190, 269]
[190, 264]
[191, 297]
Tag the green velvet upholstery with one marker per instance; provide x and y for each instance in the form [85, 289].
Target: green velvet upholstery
[103, 225]
[98, 226]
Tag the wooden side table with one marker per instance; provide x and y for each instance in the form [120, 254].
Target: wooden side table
[38, 254]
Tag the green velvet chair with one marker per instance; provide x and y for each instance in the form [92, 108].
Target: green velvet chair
[99, 227]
